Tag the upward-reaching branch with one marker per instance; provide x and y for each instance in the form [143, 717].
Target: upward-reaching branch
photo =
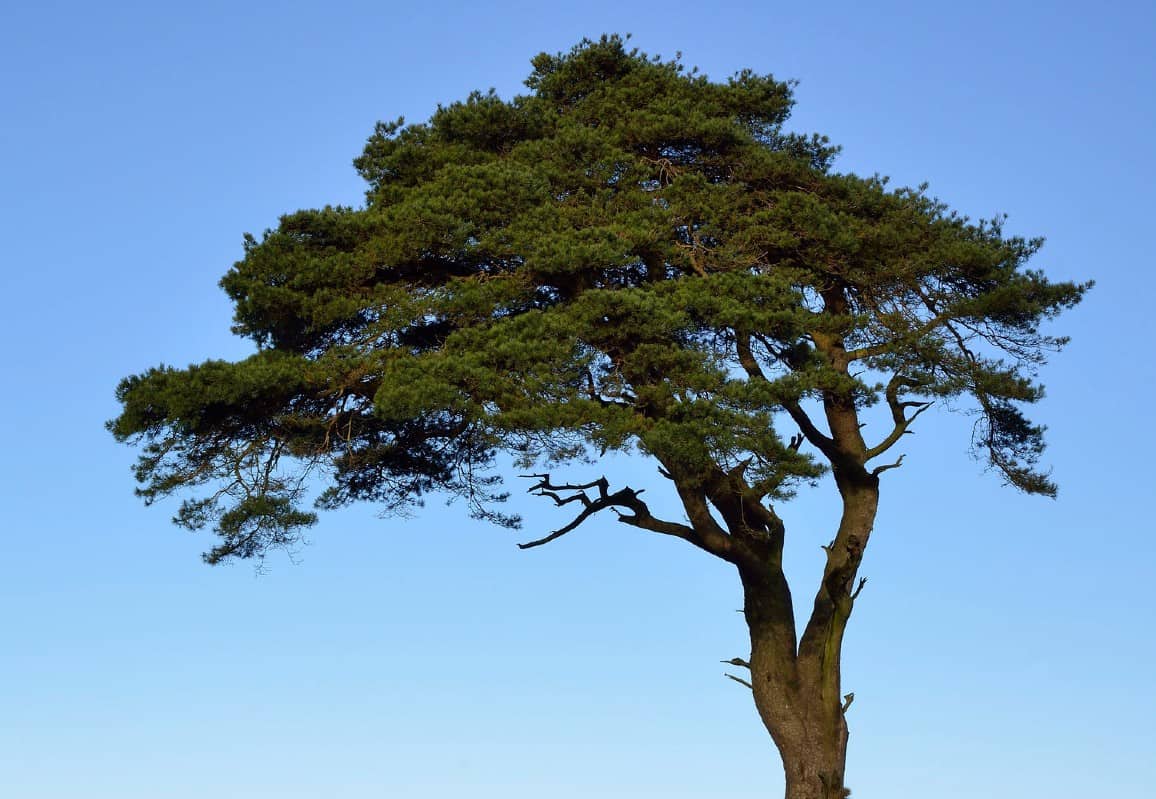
[898, 413]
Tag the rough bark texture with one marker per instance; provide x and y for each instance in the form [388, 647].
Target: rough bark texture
[798, 693]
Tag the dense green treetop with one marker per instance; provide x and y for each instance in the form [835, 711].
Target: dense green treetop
[628, 257]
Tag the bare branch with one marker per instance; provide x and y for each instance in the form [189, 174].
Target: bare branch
[739, 680]
[583, 516]
[544, 483]
[544, 488]
[878, 470]
[859, 589]
[737, 662]
[627, 498]
[560, 500]
[847, 700]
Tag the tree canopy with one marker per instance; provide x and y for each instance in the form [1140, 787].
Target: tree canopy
[629, 257]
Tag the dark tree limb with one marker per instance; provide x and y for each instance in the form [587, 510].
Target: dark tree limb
[626, 498]
[809, 431]
[737, 661]
[746, 355]
[859, 589]
[544, 488]
[739, 680]
[878, 470]
[898, 413]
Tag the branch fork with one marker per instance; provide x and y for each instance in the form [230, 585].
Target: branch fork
[626, 497]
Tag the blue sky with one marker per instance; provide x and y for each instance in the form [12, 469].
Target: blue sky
[1001, 648]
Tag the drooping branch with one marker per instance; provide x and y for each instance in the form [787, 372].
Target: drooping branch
[1013, 444]
[739, 680]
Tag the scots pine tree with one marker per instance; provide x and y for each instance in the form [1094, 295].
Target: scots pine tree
[631, 258]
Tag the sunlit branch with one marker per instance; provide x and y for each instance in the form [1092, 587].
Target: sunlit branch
[878, 470]
[898, 414]
[889, 346]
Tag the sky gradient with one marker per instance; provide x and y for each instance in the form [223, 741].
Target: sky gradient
[1002, 647]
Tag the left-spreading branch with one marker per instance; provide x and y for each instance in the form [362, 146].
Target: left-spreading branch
[626, 498]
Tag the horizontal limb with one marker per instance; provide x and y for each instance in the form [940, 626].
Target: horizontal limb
[624, 499]
[630, 509]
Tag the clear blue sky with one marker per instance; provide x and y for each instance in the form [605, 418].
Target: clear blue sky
[1003, 646]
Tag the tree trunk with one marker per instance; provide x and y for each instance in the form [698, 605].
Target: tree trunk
[798, 688]
[806, 722]
[815, 767]
[804, 715]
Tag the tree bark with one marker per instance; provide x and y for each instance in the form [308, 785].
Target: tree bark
[798, 691]
[806, 725]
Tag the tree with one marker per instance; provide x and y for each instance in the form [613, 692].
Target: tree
[628, 258]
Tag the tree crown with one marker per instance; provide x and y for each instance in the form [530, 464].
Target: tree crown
[630, 256]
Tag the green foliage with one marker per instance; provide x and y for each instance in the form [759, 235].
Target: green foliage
[578, 270]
